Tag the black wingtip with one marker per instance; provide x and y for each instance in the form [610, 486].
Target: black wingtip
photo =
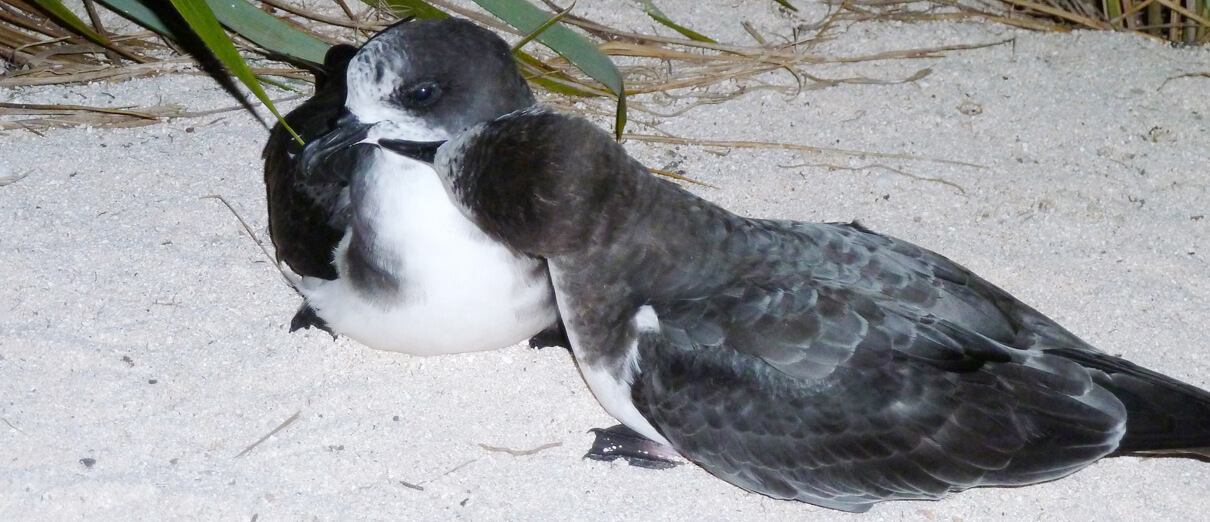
[1164, 416]
[425, 151]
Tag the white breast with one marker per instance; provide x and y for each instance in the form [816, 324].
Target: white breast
[609, 382]
[461, 291]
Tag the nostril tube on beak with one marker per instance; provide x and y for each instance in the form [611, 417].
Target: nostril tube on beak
[425, 151]
[347, 132]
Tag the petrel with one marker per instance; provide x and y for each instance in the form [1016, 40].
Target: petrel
[368, 237]
[820, 362]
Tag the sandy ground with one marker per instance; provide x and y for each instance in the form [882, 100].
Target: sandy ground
[143, 341]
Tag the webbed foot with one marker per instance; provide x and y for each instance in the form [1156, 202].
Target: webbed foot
[553, 335]
[306, 317]
[621, 442]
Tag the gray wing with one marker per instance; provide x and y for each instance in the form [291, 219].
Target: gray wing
[851, 256]
[848, 375]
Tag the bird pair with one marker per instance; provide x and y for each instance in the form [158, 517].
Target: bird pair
[437, 209]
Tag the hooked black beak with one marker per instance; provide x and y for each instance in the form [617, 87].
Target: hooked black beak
[346, 133]
[425, 151]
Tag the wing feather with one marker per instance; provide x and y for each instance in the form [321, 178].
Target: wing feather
[306, 208]
[799, 382]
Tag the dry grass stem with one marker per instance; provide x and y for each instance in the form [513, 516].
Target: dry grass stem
[961, 190]
[9, 180]
[35, 108]
[521, 453]
[279, 427]
[788, 146]
[78, 115]
[40, 51]
[351, 22]
[248, 230]
[679, 177]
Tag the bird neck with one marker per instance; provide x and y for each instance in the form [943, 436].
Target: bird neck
[661, 242]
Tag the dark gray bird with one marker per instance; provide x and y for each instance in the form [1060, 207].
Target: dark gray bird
[824, 363]
[369, 237]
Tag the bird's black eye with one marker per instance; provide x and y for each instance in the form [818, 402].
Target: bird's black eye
[422, 95]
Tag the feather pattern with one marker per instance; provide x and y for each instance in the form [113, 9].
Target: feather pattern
[821, 362]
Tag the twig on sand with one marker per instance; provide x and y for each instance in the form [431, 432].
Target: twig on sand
[521, 453]
[409, 485]
[679, 177]
[13, 427]
[1186, 75]
[453, 469]
[9, 180]
[880, 166]
[75, 115]
[38, 108]
[248, 229]
[279, 427]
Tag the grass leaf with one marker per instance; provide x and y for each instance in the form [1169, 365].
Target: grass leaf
[199, 16]
[267, 31]
[656, 14]
[569, 44]
[542, 28]
[61, 12]
[417, 8]
[140, 14]
[786, 4]
[542, 75]
[245, 19]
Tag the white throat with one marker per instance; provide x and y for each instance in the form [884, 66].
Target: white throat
[460, 291]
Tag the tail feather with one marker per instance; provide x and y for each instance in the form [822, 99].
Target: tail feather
[1163, 415]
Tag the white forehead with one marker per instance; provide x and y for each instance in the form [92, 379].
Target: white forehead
[372, 76]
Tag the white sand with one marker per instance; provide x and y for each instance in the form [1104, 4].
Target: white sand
[142, 328]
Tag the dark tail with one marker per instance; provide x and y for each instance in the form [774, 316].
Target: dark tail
[1164, 415]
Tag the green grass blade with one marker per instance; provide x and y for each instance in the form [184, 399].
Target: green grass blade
[570, 45]
[58, 10]
[786, 4]
[258, 26]
[139, 13]
[267, 31]
[1113, 10]
[417, 8]
[656, 14]
[552, 80]
[542, 28]
[199, 16]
